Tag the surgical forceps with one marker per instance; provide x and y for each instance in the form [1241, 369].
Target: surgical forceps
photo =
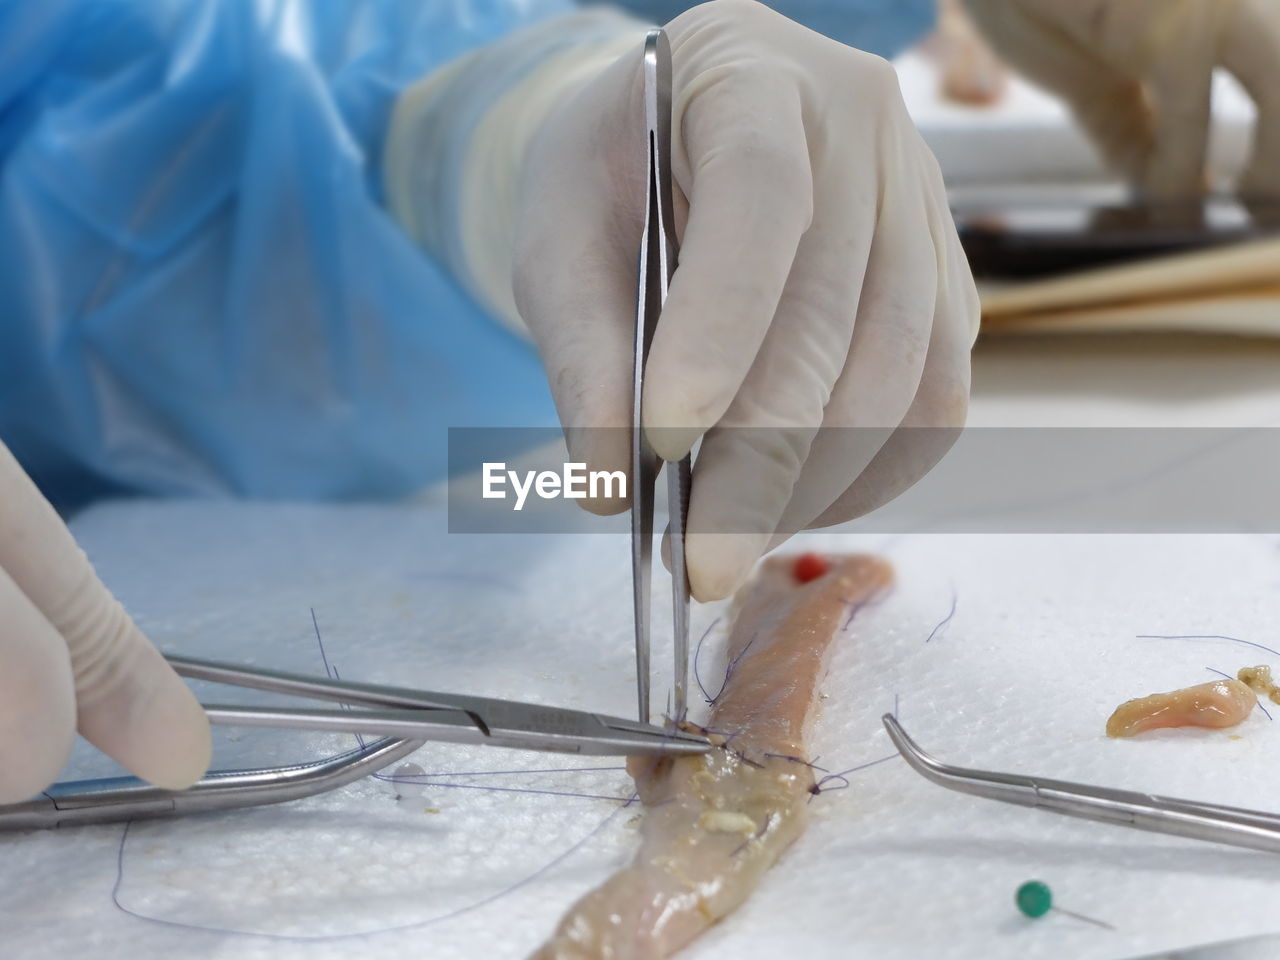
[657, 264]
[403, 717]
[1126, 808]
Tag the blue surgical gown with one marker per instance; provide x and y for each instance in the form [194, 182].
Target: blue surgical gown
[200, 291]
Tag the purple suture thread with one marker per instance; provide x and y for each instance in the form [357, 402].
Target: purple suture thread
[347, 706]
[669, 732]
[843, 775]
[392, 778]
[1265, 711]
[1205, 636]
[414, 925]
[857, 606]
[494, 773]
[426, 779]
[728, 670]
[623, 803]
[697, 652]
[941, 624]
[747, 760]
[709, 732]
[320, 642]
[330, 672]
[768, 822]
[808, 763]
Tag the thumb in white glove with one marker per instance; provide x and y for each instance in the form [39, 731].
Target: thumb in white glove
[1138, 75]
[72, 659]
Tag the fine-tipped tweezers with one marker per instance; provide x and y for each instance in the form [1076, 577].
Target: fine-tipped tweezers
[1127, 808]
[657, 264]
[404, 718]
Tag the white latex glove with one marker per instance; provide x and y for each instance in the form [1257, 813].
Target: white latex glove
[820, 279]
[968, 70]
[71, 658]
[1137, 74]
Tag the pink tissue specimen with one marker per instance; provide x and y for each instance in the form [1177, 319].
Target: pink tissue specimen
[1219, 703]
[715, 823]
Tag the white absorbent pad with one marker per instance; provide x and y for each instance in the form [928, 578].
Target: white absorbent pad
[1003, 653]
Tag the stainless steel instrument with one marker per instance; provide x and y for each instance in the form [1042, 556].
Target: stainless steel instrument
[657, 264]
[1126, 808]
[404, 718]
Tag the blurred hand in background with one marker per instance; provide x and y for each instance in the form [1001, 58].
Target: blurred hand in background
[1138, 74]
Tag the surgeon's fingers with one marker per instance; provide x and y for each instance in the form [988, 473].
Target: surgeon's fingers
[750, 194]
[937, 413]
[896, 312]
[909, 454]
[1251, 52]
[1180, 82]
[37, 697]
[130, 704]
[782, 479]
[1109, 103]
[582, 322]
[846, 269]
[583, 317]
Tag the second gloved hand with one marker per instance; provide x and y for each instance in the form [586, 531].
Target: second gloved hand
[1138, 76]
[821, 307]
[72, 659]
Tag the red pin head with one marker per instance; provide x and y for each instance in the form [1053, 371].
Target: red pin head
[809, 566]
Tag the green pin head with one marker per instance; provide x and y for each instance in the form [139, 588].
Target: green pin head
[1034, 899]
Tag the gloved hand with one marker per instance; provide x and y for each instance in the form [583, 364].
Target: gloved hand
[820, 280]
[968, 70]
[1137, 74]
[71, 658]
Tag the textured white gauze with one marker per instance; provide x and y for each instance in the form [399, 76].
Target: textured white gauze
[1042, 643]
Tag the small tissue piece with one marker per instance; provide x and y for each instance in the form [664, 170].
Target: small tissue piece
[1217, 704]
[1259, 678]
